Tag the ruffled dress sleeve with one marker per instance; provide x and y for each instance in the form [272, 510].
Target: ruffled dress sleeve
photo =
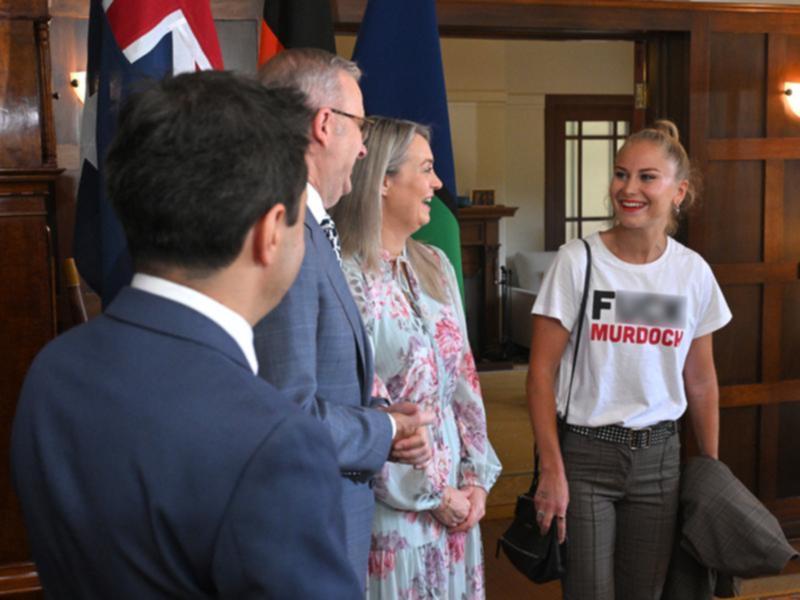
[480, 465]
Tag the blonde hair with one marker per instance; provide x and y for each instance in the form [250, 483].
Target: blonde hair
[664, 134]
[358, 215]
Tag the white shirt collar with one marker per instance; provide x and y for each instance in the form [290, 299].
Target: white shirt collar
[232, 322]
[314, 203]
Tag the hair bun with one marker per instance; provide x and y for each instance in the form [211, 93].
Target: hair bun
[668, 128]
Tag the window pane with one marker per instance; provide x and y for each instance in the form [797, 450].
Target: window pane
[598, 128]
[619, 144]
[622, 128]
[571, 128]
[570, 230]
[589, 227]
[571, 177]
[598, 157]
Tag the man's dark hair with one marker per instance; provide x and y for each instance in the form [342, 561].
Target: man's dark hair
[198, 159]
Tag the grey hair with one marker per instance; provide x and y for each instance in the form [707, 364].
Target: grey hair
[313, 71]
[358, 215]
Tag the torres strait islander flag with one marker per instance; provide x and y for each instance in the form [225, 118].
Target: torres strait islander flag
[399, 53]
[131, 43]
[295, 24]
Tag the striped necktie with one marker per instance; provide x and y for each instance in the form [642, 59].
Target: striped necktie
[329, 227]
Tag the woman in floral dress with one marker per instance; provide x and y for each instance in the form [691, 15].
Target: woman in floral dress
[425, 539]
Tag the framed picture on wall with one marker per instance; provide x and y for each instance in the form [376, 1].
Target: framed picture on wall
[482, 197]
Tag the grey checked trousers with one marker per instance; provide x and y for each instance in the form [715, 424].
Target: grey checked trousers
[621, 517]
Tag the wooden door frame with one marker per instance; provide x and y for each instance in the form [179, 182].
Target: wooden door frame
[584, 107]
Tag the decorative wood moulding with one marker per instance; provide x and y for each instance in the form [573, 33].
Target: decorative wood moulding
[754, 273]
[787, 148]
[547, 18]
[18, 578]
[759, 394]
[472, 213]
[23, 9]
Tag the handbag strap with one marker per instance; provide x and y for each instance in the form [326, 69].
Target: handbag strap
[581, 313]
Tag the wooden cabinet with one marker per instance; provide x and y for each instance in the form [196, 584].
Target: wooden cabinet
[479, 245]
[27, 296]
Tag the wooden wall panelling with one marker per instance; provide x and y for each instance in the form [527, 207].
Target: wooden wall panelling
[27, 302]
[790, 342]
[740, 451]
[582, 18]
[21, 142]
[668, 79]
[29, 322]
[23, 9]
[788, 465]
[755, 19]
[737, 81]
[737, 346]
[759, 394]
[699, 80]
[781, 271]
[772, 309]
[782, 148]
[733, 194]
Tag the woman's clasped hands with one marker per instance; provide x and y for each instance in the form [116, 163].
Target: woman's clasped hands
[461, 509]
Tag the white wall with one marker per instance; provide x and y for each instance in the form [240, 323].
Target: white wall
[496, 91]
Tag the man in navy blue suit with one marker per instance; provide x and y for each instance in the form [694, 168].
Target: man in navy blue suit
[313, 346]
[150, 460]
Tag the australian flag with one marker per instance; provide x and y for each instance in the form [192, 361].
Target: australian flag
[131, 43]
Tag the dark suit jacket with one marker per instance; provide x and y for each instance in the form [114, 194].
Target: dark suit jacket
[313, 348]
[152, 463]
[725, 532]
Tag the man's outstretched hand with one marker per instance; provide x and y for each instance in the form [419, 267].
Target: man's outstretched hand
[411, 444]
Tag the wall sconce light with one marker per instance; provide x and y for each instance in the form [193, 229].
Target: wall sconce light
[792, 91]
[77, 79]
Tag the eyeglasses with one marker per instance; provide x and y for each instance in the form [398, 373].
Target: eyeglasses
[364, 123]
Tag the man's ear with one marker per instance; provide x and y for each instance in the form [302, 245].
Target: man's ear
[268, 232]
[322, 126]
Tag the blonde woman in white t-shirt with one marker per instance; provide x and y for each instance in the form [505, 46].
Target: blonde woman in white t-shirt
[645, 356]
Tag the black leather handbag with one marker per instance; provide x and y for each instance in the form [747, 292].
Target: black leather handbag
[540, 557]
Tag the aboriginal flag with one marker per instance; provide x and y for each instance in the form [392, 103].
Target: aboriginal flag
[295, 24]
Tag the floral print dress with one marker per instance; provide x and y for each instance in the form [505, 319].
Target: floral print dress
[422, 355]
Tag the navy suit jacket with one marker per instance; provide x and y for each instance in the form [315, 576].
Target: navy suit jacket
[151, 463]
[313, 347]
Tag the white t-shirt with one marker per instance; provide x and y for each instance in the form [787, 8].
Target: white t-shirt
[640, 321]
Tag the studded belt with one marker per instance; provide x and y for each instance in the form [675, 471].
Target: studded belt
[635, 439]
